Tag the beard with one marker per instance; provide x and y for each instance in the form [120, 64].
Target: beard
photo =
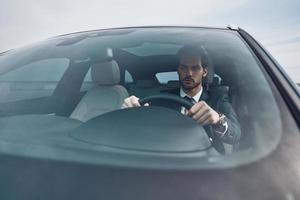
[189, 83]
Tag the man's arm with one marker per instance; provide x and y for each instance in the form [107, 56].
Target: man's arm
[233, 133]
[206, 114]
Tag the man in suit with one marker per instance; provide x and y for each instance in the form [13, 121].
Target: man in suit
[211, 108]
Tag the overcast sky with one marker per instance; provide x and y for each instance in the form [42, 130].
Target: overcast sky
[274, 23]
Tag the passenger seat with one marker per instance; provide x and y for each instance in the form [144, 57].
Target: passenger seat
[106, 96]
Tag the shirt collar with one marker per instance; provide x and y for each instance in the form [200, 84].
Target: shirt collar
[196, 97]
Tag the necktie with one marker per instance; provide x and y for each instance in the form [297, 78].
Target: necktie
[190, 99]
[183, 110]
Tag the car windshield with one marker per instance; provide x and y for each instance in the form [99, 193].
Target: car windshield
[62, 99]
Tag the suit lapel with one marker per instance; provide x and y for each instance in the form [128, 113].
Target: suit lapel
[204, 96]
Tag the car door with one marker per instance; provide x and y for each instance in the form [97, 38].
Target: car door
[24, 87]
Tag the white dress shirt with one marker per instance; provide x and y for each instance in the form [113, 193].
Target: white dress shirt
[195, 98]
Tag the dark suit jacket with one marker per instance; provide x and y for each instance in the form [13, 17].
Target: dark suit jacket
[216, 98]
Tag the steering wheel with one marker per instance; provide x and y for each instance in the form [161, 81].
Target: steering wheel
[169, 97]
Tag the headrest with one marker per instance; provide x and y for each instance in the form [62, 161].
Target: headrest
[105, 73]
[217, 80]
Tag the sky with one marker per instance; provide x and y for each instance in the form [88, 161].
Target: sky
[274, 23]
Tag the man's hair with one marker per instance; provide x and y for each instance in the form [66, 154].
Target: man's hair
[193, 50]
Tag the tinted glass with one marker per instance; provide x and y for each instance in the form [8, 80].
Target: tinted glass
[73, 78]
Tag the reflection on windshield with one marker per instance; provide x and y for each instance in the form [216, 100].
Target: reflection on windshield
[70, 83]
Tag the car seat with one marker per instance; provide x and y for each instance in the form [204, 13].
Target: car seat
[106, 96]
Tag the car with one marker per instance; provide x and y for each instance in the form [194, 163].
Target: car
[65, 135]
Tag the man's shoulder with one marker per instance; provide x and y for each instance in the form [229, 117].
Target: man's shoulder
[218, 93]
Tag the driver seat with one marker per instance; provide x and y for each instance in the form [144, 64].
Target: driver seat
[106, 96]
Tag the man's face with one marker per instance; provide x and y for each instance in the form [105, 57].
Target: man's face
[190, 71]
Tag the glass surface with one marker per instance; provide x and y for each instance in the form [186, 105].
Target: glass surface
[54, 77]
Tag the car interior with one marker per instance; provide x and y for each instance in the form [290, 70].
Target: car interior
[111, 86]
[88, 86]
[108, 86]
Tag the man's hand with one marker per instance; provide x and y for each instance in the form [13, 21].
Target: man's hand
[132, 101]
[203, 114]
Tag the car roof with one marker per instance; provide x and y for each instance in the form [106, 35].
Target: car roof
[229, 27]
